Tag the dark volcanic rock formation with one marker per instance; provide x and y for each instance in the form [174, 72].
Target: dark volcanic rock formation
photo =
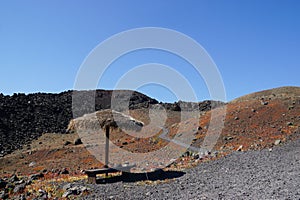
[25, 117]
[192, 106]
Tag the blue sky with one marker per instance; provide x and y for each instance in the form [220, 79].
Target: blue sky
[255, 44]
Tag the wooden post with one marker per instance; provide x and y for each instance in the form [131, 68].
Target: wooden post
[106, 147]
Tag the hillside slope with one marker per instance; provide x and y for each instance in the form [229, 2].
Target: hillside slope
[275, 93]
[258, 120]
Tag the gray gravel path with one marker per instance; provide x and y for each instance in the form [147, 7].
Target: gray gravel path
[249, 175]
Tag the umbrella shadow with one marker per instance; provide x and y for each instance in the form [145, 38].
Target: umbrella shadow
[158, 175]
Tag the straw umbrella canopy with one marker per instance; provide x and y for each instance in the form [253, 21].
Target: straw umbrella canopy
[105, 120]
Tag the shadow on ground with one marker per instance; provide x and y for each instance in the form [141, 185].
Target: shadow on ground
[136, 177]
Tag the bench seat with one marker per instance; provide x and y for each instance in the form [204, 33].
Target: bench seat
[92, 173]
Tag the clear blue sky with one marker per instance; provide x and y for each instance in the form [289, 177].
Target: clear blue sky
[254, 43]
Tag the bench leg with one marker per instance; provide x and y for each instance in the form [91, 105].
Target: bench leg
[92, 178]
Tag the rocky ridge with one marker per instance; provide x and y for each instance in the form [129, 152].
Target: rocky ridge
[25, 117]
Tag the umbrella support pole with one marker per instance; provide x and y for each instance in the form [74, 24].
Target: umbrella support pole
[106, 147]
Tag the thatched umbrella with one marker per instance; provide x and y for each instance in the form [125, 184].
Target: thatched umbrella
[116, 119]
[105, 119]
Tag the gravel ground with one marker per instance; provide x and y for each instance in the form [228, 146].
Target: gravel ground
[241, 175]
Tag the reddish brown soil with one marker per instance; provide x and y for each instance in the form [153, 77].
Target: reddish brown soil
[255, 121]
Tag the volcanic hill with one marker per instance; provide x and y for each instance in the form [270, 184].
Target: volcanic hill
[253, 122]
[24, 118]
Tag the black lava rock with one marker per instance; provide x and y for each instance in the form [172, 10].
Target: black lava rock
[24, 118]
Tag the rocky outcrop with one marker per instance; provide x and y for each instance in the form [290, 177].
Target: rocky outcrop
[192, 106]
[25, 117]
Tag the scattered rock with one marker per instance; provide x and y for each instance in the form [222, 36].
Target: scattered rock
[77, 141]
[36, 176]
[2, 184]
[207, 153]
[148, 193]
[186, 154]
[201, 157]
[67, 194]
[43, 194]
[28, 182]
[19, 188]
[22, 197]
[125, 164]
[228, 138]
[13, 179]
[290, 124]
[196, 156]
[20, 182]
[236, 118]
[64, 171]
[277, 142]
[240, 148]
[73, 190]
[41, 191]
[3, 195]
[32, 164]
[67, 186]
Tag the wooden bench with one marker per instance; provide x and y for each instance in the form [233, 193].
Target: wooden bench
[92, 174]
